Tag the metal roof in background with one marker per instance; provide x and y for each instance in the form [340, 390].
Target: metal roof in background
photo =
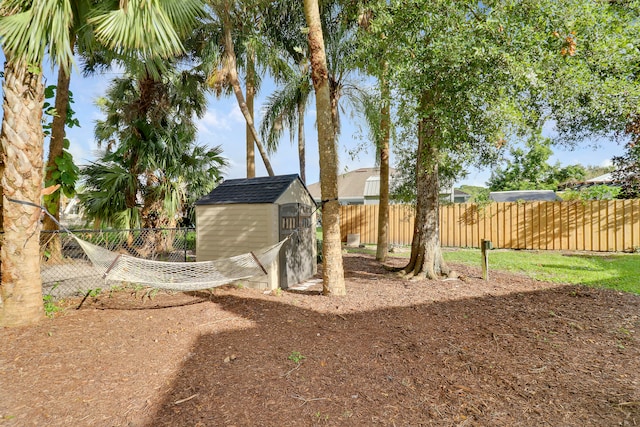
[526, 195]
[372, 186]
[606, 178]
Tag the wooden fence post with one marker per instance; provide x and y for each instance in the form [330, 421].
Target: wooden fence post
[485, 246]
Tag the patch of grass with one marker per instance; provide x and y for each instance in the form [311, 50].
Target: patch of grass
[49, 303]
[614, 271]
[368, 249]
[94, 292]
[321, 417]
[296, 357]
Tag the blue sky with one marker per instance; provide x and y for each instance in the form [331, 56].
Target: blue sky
[224, 125]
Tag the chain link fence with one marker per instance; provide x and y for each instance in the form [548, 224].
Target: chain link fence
[66, 270]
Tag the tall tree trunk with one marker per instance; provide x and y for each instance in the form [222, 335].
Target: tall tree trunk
[385, 135]
[426, 256]
[230, 63]
[21, 161]
[334, 96]
[301, 143]
[332, 271]
[251, 91]
[56, 148]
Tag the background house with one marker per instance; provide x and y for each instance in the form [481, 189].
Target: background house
[453, 195]
[362, 187]
[358, 187]
[71, 212]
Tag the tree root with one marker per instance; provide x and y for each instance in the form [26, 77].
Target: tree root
[392, 269]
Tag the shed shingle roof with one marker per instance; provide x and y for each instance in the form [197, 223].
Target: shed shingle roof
[265, 189]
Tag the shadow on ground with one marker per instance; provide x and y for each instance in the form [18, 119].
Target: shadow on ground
[567, 356]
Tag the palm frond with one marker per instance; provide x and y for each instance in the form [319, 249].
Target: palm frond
[40, 28]
[280, 110]
[152, 28]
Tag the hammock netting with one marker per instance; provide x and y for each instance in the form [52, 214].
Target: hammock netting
[180, 276]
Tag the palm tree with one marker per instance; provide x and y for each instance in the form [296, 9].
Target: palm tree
[28, 30]
[285, 108]
[382, 126]
[225, 74]
[374, 109]
[332, 272]
[149, 133]
[82, 38]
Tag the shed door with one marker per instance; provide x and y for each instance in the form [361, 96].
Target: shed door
[299, 255]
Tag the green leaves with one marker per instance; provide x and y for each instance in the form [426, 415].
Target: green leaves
[133, 28]
[144, 26]
[528, 168]
[496, 70]
[64, 172]
[37, 28]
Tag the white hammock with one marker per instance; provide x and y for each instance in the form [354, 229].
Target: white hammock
[180, 276]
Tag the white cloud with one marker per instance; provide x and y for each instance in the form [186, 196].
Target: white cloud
[236, 115]
[606, 163]
[215, 120]
[81, 153]
[211, 121]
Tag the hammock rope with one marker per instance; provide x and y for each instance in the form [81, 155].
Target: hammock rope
[180, 276]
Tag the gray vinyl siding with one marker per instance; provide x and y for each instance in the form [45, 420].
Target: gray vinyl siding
[296, 193]
[228, 230]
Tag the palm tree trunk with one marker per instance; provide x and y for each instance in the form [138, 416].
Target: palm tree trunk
[56, 147]
[21, 154]
[426, 255]
[332, 271]
[251, 91]
[231, 66]
[334, 96]
[301, 143]
[383, 211]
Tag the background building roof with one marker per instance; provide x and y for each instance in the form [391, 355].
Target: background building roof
[607, 178]
[372, 186]
[353, 185]
[528, 195]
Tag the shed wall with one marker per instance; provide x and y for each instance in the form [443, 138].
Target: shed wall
[295, 193]
[298, 257]
[227, 230]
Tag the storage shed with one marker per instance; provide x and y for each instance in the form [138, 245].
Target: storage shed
[245, 215]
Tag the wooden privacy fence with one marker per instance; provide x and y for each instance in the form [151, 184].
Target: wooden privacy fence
[600, 225]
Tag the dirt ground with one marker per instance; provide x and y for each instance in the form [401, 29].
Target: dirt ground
[464, 352]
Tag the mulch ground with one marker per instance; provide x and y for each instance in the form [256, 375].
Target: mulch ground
[464, 352]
